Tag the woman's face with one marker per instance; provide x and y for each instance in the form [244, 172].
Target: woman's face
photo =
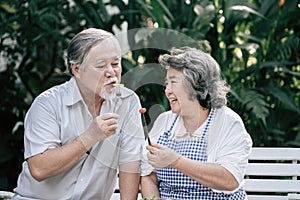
[101, 68]
[177, 93]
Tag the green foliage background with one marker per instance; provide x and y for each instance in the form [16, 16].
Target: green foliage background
[256, 43]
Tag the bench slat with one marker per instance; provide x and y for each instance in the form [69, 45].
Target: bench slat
[271, 185]
[266, 197]
[273, 169]
[265, 153]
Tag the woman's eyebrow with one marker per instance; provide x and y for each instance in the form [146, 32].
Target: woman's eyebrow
[172, 77]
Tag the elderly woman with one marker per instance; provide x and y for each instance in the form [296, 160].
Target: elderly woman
[200, 148]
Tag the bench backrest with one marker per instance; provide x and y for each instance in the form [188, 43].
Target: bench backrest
[273, 173]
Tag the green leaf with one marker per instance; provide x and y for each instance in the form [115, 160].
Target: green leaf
[165, 9]
[246, 9]
[147, 9]
[282, 96]
[103, 10]
[14, 26]
[8, 8]
[256, 104]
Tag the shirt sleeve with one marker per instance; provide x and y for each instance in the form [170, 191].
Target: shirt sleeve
[233, 147]
[133, 136]
[234, 154]
[41, 128]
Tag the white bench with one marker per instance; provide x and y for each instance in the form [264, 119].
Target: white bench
[272, 174]
[280, 169]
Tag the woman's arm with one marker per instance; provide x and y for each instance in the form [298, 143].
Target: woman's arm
[211, 175]
[149, 186]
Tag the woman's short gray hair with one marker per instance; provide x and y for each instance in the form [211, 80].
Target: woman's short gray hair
[202, 75]
[81, 43]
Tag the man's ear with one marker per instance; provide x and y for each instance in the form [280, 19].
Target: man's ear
[75, 69]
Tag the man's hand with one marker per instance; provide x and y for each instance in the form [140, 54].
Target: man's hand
[102, 127]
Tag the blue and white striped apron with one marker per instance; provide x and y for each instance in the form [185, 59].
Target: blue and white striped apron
[174, 184]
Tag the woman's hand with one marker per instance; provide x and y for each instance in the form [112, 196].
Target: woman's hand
[161, 156]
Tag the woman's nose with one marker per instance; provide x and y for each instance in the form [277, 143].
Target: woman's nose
[168, 90]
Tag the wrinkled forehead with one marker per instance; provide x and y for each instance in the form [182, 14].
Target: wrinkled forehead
[173, 73]
[109, 44]
[108, 48]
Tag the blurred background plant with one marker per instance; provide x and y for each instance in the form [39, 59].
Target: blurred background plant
[256, 43]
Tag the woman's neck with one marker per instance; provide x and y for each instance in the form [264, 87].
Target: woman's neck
[194, 120]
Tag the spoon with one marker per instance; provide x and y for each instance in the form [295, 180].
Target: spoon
[118, 93]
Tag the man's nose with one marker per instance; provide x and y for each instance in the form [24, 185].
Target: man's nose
[109, 71]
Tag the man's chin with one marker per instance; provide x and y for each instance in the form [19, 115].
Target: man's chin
[107, 94]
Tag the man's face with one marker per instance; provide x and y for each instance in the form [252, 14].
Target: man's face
[101, 68]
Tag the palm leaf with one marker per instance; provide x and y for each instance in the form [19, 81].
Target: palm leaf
[165, 10]
[246, 9]
[256, 104]
[281, 96]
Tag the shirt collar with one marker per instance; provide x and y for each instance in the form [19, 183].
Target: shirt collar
[73, 94]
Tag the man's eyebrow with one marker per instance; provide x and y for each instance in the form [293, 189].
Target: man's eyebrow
[104, 60]
[100, 61]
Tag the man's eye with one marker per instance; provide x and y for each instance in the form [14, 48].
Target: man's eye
[115, 64]
[100, 66]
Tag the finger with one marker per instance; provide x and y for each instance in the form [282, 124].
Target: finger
[150, 148]
[157, 146]
[154, 150]
[110, 122]
[110, 132]
[107, 116]
[151, 157]
[112, 127]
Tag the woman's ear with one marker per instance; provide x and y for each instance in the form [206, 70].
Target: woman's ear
[75, 69]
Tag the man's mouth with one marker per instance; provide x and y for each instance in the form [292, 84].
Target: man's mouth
[111, 82]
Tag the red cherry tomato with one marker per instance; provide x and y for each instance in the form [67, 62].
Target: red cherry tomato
[143, 110]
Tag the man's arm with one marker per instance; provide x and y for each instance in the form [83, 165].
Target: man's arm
[149, 186]
[129, 180]
[55, 161]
